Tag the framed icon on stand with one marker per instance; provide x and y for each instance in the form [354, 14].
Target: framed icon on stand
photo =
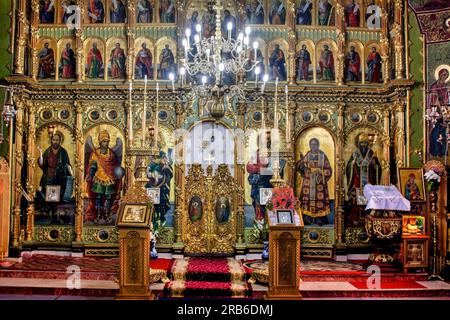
[285, 216]
[154, 194]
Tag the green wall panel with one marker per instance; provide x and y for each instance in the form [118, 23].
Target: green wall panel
[156, 32]
[416, 70]
[56, 33]
[5, 60]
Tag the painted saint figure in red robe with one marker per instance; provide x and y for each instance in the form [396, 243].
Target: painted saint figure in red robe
[117, 62]
[352, 14]
[104, 178]
[144, 63]
[374, 66]
[316, 171]
[68, 64]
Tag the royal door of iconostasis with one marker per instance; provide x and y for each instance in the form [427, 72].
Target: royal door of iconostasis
[210, 207]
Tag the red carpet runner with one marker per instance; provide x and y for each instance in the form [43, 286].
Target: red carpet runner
[207, 277]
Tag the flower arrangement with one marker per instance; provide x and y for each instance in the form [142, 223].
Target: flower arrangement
[434, 170]
[283, 198]
[260, 231]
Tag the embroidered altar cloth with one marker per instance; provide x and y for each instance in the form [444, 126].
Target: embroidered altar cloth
[385, 198]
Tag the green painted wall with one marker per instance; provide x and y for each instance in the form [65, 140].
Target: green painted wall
[5, 60]
[416, 70]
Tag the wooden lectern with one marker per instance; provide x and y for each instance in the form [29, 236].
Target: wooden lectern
[284, 256]
[134, 224]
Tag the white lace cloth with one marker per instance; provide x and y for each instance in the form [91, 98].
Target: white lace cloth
[385, 198]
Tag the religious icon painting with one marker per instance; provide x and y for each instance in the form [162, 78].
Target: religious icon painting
[117, 58]
[413, 225]
[47, 114]
[54, 177]
[134, 214]
[325, 13]
[46, 59]
[278, 64]
[144, 59]
[304, 12]
[68, 11]
[195, 209]
[47, 11]
[411, 183]
[315, 174]
[326, 55]
[362, 153]
[96, 11]
[117, 11]
[64, 114]
[285, 216]
[167, 11]
[373, 64]
[439, 95]
[265, 194]
[94, 59]
[304, 61]
[166, 59]
[103, 174]
[222, 209]
[67, 59]
[277, 12]
[154, 195]
[144, 11]
[307, 116]
[254, 12]
[353, 63]
[352, 13]
[52, 193]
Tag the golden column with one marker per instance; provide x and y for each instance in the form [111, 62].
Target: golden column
[31, 109]
[79, 177]
[397, 34]
[386, 141]
[18, 157]
[34, 39]
[292, 39]
[21, 35]
[340, 169]
[239, 173]
[129, 177]
[79, 39]
[131, 14]
[400, 134]
[179, 177]
[340, 43]
[384, 43]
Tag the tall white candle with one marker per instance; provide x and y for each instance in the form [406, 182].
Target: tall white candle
[288, 127]
[275, 116]
[130, 116]
[157, 116]
[144, 113]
